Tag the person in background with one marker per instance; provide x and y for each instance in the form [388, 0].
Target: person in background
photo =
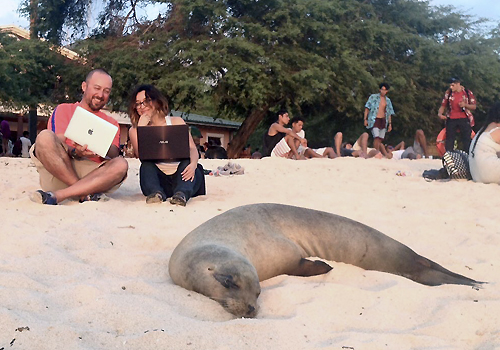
[280, 141]
[359, 149]
[5, 130]
[484, 161]
[417, 151]
[25, 144]
[459, 102]
[324, 152]
[378, 115]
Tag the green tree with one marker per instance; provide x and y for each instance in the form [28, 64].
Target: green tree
[30, 73]
[319, 58]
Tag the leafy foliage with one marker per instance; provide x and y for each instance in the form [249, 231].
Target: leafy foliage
[30, 73]
[245, 59]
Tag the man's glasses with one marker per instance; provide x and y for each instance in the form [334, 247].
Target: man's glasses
[143, 104]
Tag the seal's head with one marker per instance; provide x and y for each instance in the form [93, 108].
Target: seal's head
[225, 276]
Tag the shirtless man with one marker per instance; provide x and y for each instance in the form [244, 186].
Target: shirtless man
[378, 115]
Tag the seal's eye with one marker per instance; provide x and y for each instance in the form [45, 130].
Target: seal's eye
[226, 281]
[210, 269]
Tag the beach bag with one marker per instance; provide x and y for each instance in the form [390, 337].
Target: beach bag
[435, 174]
[456, 164]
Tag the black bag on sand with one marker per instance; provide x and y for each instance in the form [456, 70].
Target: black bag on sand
[435, 174]
[455, 166]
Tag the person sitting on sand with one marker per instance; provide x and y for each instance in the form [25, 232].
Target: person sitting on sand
[484, 151]
[215, 151]
[256, 154]
[359, 149]
[178, 180]
[324, 152]
[71, 170]
[279, 141]
[25, 144]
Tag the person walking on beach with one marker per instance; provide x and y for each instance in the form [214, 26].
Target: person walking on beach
[69, 170]
[378, 115]
[279, 141]
[459, 102]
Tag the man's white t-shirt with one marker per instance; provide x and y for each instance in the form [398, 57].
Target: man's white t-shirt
[26, 144]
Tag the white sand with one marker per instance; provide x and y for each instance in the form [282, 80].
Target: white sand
[94, 275]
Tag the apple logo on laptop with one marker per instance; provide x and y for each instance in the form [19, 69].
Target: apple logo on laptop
[90, 131]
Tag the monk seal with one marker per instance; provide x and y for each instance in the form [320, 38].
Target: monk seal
[226, 257]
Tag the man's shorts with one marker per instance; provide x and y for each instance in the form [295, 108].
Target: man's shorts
[380, 133]
[320, 151]
[346, 152]
[82, 167]
[356, 146]
[379, 128]
[413, 151]
[417, 148]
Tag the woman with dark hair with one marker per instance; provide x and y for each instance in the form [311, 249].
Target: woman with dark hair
[178, 181]
[484, 151]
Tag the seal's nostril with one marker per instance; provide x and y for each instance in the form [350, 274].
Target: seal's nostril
[250, 309]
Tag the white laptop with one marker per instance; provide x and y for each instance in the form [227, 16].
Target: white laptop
[85, 128]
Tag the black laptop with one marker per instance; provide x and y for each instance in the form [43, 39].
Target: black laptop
[163, 143]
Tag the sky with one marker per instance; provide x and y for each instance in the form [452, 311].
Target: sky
[479, 8]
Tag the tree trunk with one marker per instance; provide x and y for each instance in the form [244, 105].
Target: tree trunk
[246, 129]
[32, 114]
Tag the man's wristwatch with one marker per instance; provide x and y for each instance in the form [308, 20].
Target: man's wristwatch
[73, 154]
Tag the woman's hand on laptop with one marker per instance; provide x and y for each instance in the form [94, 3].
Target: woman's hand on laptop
[188, 173]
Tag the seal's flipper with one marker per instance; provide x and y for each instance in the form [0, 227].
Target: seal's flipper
[433, 274]
[310, 268]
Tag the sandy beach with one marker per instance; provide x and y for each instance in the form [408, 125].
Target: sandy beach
[95, 275]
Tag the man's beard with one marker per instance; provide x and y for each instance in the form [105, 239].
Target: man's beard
[96, 104]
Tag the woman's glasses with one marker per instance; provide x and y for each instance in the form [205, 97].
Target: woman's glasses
[143, 104]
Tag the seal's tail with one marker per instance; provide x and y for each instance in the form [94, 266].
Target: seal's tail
[433, 274]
